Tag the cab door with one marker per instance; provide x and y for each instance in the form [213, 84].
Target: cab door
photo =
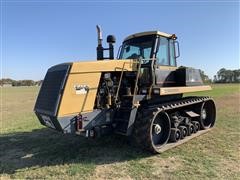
[165, 62]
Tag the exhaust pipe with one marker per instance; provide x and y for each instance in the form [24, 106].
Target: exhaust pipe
[100, 48]
[99, 33]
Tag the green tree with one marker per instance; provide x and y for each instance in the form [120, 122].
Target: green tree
[205, 77]
[236, 75]
[227, 76]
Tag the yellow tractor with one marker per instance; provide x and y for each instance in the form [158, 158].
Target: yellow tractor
[139, 94]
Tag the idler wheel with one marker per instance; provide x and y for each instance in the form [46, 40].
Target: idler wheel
[184, 131]
[207, 114]
[175, 135]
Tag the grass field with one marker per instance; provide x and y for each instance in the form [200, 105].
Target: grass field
[29, 150]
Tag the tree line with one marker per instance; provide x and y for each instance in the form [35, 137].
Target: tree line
[222, 76]
[27, 82]
[227, 76]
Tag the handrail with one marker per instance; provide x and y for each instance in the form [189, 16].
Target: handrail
[119, 84]
[136, 82]
[138, 74]
[140, 60]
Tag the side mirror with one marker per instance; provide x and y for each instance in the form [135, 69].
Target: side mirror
[176, 46]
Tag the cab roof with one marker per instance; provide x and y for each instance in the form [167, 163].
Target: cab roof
[148, 33]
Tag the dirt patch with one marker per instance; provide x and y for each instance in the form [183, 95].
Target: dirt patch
[5, 177]
[231, 102]
[112, 171]
[163, 167]
[229, 169]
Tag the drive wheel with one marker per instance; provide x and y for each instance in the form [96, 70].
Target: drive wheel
[152, 129]
[207, 114]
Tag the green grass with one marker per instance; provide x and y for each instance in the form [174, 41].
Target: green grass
[219, 90]
[29, 150]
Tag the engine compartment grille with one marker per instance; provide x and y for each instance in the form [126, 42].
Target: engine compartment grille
[50, 92]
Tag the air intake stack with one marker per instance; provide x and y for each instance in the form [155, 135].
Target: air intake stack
[100, 50]
[111, 40]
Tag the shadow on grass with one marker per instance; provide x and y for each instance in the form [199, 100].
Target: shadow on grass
[44, 147]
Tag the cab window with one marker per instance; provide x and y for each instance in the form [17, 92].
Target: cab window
[130, 52]
[166, 52]
[163, 55]
[138, 47]
[172, 52]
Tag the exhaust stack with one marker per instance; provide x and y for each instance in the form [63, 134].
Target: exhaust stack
[100, 48]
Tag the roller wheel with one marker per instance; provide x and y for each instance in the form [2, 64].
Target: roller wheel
[191, 129]
[175, 135]
[152, 129]
[207, 114]
[196, 125]
[183, 131]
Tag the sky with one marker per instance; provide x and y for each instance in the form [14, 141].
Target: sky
[36, 35]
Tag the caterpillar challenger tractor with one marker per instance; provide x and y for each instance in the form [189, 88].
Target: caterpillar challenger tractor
[139, 94]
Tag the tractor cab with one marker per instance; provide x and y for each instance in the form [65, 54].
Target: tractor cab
[157, 52]
[151, 45]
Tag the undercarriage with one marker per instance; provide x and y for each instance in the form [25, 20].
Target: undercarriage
[167, 125]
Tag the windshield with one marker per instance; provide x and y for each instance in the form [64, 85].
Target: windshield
[137, 47]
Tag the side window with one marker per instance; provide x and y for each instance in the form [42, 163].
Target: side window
[162, 55]
[172, 53]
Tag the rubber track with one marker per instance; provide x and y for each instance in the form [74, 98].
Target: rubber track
[183, 102]
[141, 134]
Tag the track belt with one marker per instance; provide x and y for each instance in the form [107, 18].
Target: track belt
[183, 102]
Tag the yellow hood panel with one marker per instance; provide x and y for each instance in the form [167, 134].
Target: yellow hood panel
[76, 98]
[104, 66]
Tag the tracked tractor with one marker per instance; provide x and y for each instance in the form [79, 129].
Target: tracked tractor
[139, 94]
